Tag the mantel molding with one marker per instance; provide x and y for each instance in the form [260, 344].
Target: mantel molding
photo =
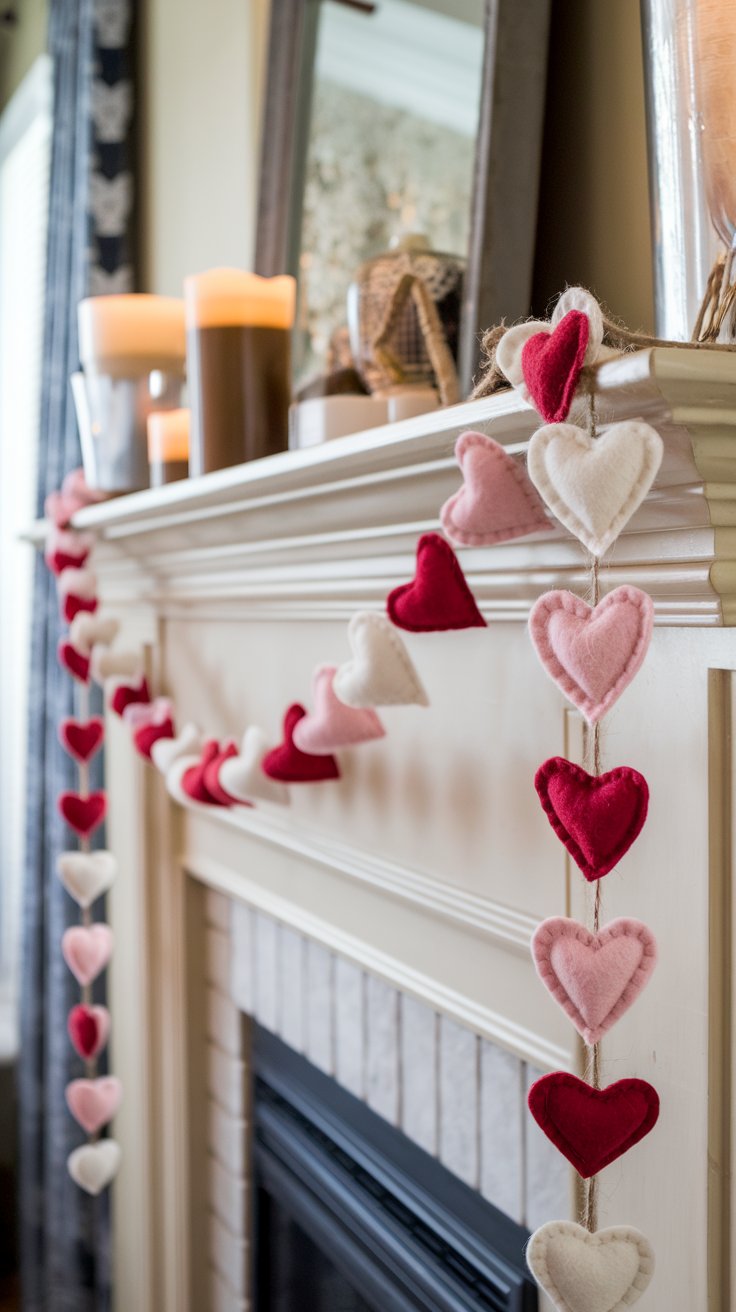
[317, 533]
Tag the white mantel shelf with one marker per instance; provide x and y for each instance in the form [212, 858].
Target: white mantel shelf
[329, 529]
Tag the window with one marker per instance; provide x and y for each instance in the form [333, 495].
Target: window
[25, 154]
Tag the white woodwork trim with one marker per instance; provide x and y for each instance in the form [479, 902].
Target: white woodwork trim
[485, 1022]
[480, 915]
[270, 539]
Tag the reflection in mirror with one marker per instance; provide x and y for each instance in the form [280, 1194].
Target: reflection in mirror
[388, 185]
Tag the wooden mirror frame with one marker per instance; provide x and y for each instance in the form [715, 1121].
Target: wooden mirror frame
[507, 159]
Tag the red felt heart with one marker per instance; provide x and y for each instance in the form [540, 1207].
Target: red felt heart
[290, 765]
[212, 775]
[438, 596]
[83, 814]
[148, 734]
[82, 738]
[61, 560]
[88, 1028]
[193, 780]
[73, 605]
[73, 661]
[596, 817]
[592, 1127]
[127, 695]
[551, 365]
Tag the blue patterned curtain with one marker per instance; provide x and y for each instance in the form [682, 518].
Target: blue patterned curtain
[64, 1234]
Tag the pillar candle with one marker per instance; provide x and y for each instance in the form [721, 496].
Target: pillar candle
[168, 446]
[239, 366]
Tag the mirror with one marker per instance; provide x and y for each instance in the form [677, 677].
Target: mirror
[402, 137]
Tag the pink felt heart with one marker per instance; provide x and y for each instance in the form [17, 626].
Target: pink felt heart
[59, 507]
[93, 1103]
[552, 362]
[592, 653]
[83, 814]
[594, 977]
[497, 501]
[332, 724]
[86, 950]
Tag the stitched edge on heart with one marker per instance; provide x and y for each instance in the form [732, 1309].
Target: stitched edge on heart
[536, 1256]
[551, 931]
[557, 765]
[537, 517]
[550, 602]
[652, 450]
[537, 1101]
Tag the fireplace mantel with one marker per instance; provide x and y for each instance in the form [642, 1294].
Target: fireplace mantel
[317, 533]
[429, 865]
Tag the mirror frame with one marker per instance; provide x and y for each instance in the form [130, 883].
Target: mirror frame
[508, 154]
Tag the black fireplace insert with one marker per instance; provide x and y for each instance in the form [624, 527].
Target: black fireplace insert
[351, 1216]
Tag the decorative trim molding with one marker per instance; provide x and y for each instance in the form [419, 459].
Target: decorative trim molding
[315, 534]
[524, 1043]
[483, 916]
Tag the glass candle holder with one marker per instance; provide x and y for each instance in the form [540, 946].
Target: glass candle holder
[238, 366]
[133, 352]
[168, 446]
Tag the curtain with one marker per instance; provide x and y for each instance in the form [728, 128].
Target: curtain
[64, 1234]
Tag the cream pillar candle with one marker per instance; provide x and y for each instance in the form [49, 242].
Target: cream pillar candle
[168, 446]
[123, 336]
[239, 364]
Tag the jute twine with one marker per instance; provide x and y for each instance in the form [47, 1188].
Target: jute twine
[717, 313]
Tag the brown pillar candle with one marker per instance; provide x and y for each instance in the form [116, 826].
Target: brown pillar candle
[239, 366]
[168, 446]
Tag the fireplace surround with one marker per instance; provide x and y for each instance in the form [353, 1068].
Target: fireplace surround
[410, 889]
[350, 1215]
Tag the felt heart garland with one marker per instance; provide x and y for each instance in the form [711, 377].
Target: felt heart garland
[593, 485]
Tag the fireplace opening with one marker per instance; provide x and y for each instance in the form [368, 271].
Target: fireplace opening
[351, 1216]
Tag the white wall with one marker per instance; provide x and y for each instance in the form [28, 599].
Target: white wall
[201, 86]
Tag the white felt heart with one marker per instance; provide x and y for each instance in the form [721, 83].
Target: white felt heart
[593, 486]
[509, 349]
[174, 776]
[86, 875]
[382, 672]
[77, 582]
[242, 777]
[603, 1272]
[87, 631]
[94, 1165]
[167, 750]
[109, 663]
[578, 298]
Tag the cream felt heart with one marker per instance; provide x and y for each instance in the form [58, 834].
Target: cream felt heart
[94, 1165]
[87, 631]
[242, 777]
[86, 950]
[594, 485]
[578, 298]
[594, 977]
[592, 653]
[77, 582]
[93, 1103]
[165, 751]
[509, 352]
[109, 663]
[382, 672]
[510, 348]
[603, 1272]
[174, 776]
[86, 875]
